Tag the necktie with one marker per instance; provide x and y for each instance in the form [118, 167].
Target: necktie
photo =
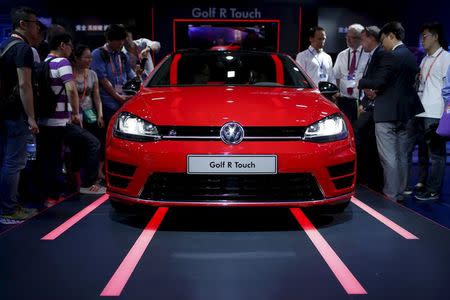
[352, 67]
[351, 71]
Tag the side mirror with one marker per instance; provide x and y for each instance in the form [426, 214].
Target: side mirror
[131, 87]
[327, 88]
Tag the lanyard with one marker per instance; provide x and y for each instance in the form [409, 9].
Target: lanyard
[348, 59]
[432, 64]
[317, 58]
[113, 68]
[84, 87]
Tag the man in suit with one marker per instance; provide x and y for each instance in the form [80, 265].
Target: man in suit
[392, 89]
[369, 171]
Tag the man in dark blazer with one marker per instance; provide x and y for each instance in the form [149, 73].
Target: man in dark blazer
[391, 87]
[369, 170]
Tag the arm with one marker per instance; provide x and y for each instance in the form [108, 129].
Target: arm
[26, 96]
[300, 59]
[331, 77]
[446, 89]
[98, 104]
[337, 69]
[382, 75]
[104, 82]
[74, 101]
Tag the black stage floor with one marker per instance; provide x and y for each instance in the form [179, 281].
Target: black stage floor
[226, 253]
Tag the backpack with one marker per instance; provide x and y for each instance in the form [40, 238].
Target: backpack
[7, 96]
[45, 100]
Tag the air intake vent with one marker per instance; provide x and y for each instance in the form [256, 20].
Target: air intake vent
[121, 168]
[242, 188]
[342, 169]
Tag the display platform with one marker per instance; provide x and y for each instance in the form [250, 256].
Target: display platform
[82, 249]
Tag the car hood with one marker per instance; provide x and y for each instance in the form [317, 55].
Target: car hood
[215, 106]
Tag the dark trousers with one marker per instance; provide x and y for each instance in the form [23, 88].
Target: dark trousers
[84, 147]
[431, 146]
[100, 134]
[369, 168]
[349, 107]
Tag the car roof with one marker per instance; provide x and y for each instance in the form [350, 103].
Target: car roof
[240, 51]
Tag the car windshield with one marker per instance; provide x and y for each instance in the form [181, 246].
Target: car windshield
[228, 68]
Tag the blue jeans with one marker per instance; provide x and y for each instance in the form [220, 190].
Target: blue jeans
[13, 158]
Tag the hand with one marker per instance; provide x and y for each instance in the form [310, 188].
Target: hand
[145, 52]
[371, 94]
[33, 125]
[75, 119]
[100, 122]
[139, 71]
[361, 109]
[335, 97]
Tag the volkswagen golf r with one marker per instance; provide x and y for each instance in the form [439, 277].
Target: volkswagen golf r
[225, 128]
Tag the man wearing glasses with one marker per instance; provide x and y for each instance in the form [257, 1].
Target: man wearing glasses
[17, 118]
[396, 103]
[348, 69]
[433, 70]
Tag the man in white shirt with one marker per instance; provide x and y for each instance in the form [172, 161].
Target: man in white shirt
[433, 70]
[139, 54]
[348, 70]
[317, 64]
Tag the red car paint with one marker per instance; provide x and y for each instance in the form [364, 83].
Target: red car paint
[213, 106]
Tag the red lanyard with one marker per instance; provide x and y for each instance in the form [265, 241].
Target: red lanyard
[429, 70]
[113, 68]
[84, 86]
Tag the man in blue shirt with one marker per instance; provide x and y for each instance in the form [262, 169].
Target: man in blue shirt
[113, 70]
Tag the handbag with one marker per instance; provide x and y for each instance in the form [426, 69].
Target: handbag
[89, 116]
[444, 124]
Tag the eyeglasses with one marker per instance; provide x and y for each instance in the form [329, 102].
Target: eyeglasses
[426, 35]
[353, 37]
[32, 21]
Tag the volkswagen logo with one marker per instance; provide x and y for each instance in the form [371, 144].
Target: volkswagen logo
[232, 133]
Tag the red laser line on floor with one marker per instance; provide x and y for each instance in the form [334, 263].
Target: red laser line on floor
[75, 219]
[340, 270]
[120, 278]
[386, 221]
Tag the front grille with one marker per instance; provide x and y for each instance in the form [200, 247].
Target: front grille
[243, 188]
[213, 132]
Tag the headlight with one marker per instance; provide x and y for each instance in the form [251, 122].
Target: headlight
[133, 128]
[331, 128]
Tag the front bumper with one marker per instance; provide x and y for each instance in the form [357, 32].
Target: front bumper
[322, 161]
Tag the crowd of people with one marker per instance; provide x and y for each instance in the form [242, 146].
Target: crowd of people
[393, 103]
[88, 86]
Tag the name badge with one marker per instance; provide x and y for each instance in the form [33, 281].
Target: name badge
[350, 83]
[322, 76]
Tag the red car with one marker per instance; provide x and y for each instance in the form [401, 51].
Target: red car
[222, 128]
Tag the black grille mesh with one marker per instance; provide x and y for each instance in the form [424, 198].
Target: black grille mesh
[242, 188]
